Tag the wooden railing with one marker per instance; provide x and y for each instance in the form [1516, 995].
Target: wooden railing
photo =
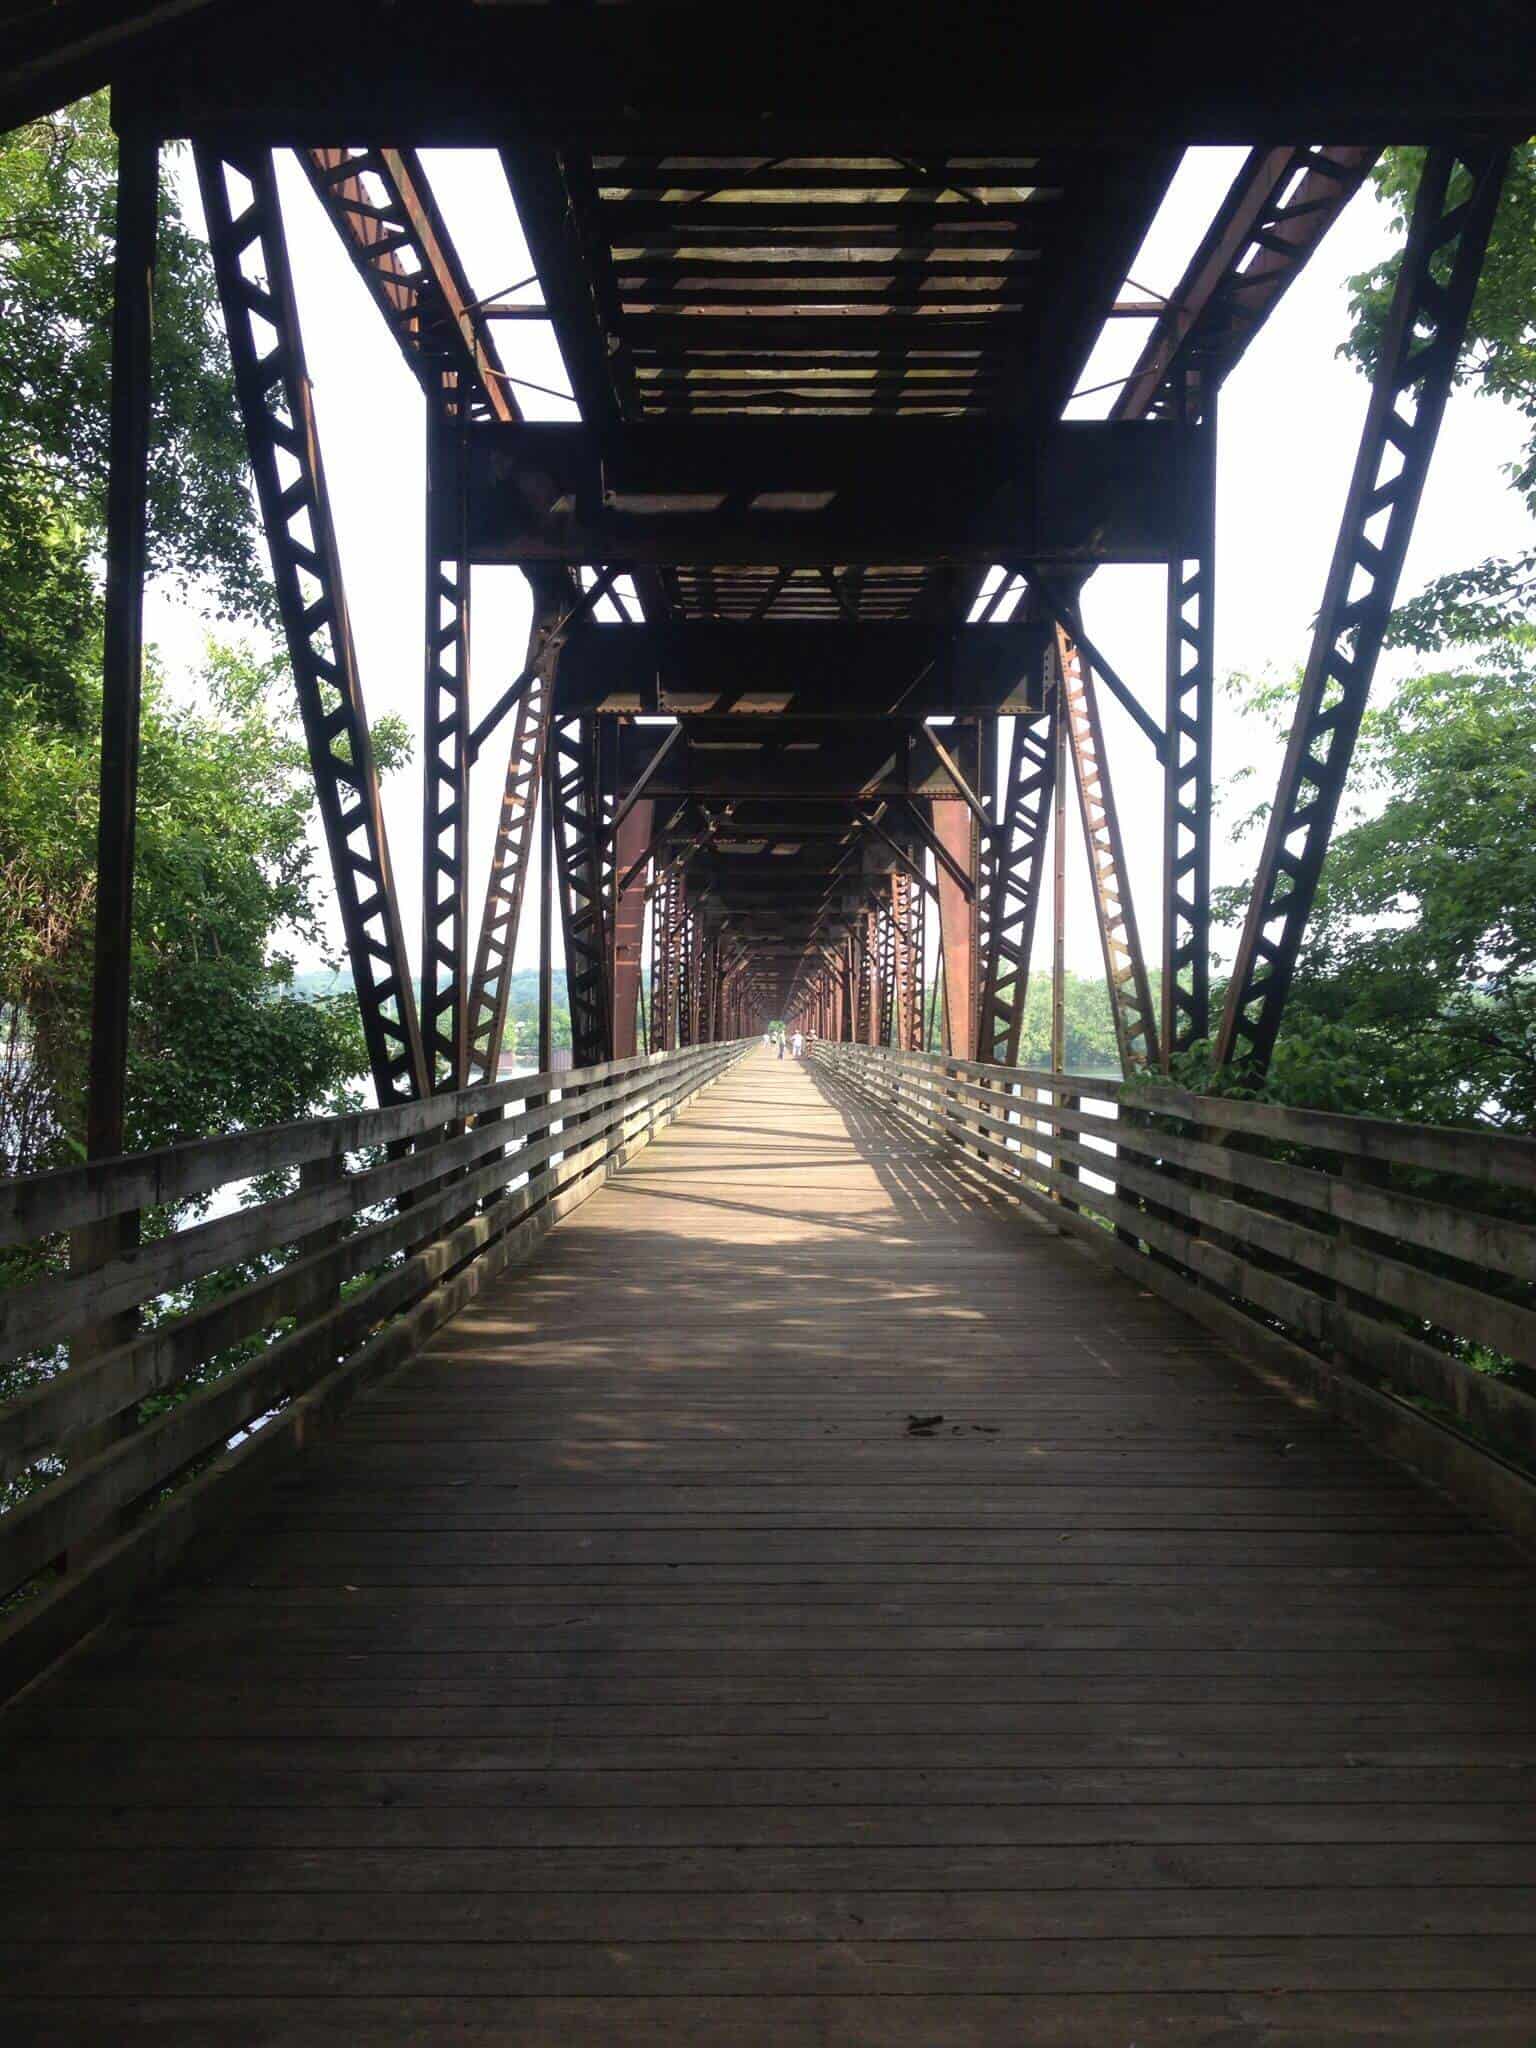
[154, 1389]
[1389, 1269]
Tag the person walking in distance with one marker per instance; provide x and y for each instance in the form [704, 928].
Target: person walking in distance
[797, 1044]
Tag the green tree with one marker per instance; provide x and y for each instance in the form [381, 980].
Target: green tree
[1499, 358]
[1415, 994]
[57, 208]
[226, 881]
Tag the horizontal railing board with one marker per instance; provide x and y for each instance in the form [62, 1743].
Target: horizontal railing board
[49, 1311]
[1323, 1298]
[39, 1205]
[35, 1422]
[41, 1631]
[1475, 1238]
[44, 1526]
[561, 1167]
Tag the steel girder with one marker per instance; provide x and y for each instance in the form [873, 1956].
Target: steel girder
[1447, 236]
[885, 971]
[1130, 995]
[1280, 205]
[631, 842]
[572, 788]
[909, 933]
[1187, 795]
[445, 798]
[382, 207]
[662, 1021]
[491, 985]
[255, 284]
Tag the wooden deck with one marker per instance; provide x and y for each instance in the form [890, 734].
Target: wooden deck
[627, 1671]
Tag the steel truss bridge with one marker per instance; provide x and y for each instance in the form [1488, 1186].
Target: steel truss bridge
[847, 1590]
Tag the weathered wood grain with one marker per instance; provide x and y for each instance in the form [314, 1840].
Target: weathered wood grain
[627, 1668]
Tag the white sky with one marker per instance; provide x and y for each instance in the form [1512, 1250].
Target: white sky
[1290, 422]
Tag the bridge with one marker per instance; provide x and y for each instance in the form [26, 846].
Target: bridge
[893, 1545]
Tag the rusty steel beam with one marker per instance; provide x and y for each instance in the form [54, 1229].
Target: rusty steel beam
[445, 797]
[572, 785]
[1281, 204]
[1130, 993]
[272, 386]
[632, 844]
[1018, 870]
[909, 929]
[957, 829]
[663, 1016]
[382, 207]
[1452, 216]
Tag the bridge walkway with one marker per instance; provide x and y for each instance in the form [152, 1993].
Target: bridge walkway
[807, 1604]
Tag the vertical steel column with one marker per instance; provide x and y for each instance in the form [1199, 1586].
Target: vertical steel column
[958, 832]
[908, 936]
[122, 676]
[1017, 875]
[133, 284]
[1059, 895]
[1447, 238]
[579, 863]
[445, 769]
[630, 843]
[546, 918]
[885, 956]
[663, 1014]
[1187, 791]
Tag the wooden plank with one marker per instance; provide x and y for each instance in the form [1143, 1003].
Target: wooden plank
[628, 1668]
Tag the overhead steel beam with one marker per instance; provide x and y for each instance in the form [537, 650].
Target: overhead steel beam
[908, 668]
[382, 206]
[664, 493]
[273, 390]
[1447, 237]
[1280, 205]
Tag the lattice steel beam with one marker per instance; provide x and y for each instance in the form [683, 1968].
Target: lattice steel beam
[382, 207]
[1130, 994]
[491, 985]
[1017, 875]
[908, 923]
[255, 286]
[445, 795]
[1187, 798]
[1452, 216]
[1280, 205]
[571, 786]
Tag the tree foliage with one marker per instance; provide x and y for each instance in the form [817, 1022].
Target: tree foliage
[58, 180]
[225, 875]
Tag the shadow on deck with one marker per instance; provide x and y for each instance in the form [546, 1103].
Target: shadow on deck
[630, 1669]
